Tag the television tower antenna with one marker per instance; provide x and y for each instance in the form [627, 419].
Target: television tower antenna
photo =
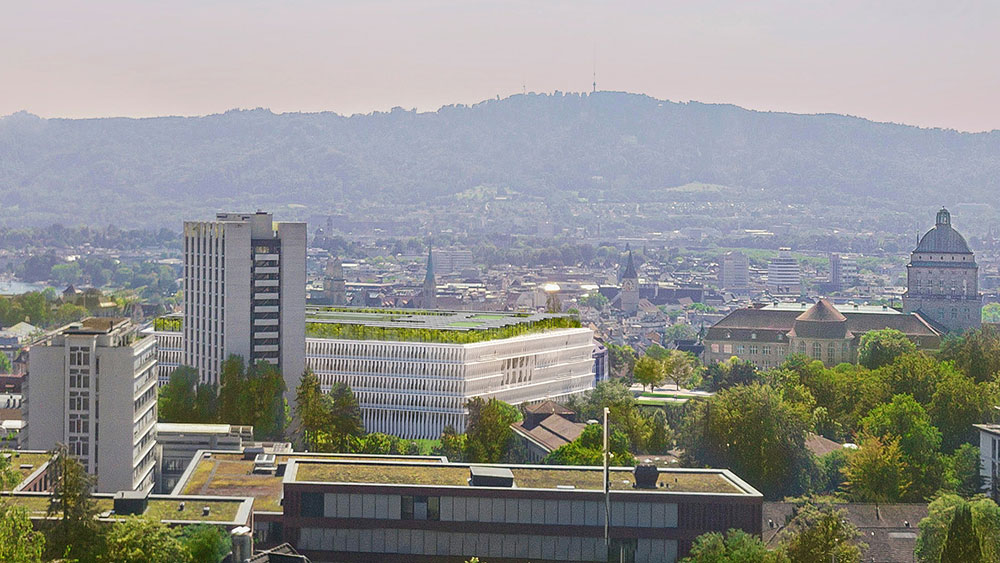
[595, 70]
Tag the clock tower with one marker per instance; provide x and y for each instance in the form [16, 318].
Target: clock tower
[629, 294]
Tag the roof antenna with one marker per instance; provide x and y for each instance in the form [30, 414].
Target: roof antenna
[595, 70]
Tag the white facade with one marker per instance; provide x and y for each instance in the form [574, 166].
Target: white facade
[989, 458]
[93, 387]
[244, 294]
[783, 274]
[734, 272]
[170, 354]
[415, 389]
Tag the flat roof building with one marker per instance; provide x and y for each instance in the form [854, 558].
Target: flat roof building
[414, 371]
[244, 294]
[400, 511]
[93, 387]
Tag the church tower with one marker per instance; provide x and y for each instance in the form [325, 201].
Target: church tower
[430, 284]
[334, 284]
[942, 278]
[629, 295]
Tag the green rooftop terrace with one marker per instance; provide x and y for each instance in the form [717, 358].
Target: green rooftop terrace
[26, 463]
[164, 509]
[525, 476]
[447, 327]
[228, 474]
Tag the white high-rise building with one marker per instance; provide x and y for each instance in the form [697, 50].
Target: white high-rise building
[784, 276]
[734, 271]
[92, 386]
[244, 294]
[843, 271]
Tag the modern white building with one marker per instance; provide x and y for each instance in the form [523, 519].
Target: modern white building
[734, 271]
[784, 277]
[93, 387]
[414, 371]
[180, 442]
[169, 345]
[244, 293]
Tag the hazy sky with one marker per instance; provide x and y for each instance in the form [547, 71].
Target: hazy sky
[918, 62]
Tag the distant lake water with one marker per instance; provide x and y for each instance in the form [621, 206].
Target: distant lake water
[17, 288]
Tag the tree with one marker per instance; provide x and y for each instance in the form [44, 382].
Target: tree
[874, 472]
[660, 438]
[821, 534]
[991, 313]
[678, 367]
[957, 404]
[177, 399]
[5, 365]
[616, 396]
[881, 347]
[736, 546]
[310, 409]
[965, 470]
[936, 529]
[9, 476]
[976, 353]
[19, 543]
[71, 527]
[344, 424]
[205, 544]
[919, 441]
[261, 401]
[961, 544]
[452, 444]
[138, 539]
[734, 371]
[231, 376]
[648, 371]
[488, 429]
[621, 359]
[754, 431]
[588, 449]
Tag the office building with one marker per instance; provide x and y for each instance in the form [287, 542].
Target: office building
[843, 271]
[989, 459]
[169, 345]
[783, 274]
[451, 261]
[942, 278]
[244, 294]
[93, 387]
[413, 371]
[405, 511]
[734, 271]
[765, 335]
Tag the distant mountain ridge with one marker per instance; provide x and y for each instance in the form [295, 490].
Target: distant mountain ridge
[618, 146]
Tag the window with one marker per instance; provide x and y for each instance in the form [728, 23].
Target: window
[766, 349]
[311, 505]
[753, 349]
[420, 508]
[740, 348]
[817, 350]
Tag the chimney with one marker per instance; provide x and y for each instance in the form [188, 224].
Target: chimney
[646, 475]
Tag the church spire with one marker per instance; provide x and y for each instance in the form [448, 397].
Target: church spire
[629, 268]
[430, 283]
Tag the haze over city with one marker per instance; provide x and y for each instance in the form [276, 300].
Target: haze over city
[923, 63]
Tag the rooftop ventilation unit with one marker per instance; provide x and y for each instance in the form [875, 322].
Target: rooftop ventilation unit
[483, 476]
[265, 463]
[130, 502]
[646, 476]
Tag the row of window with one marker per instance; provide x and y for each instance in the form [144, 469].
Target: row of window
[523, 547]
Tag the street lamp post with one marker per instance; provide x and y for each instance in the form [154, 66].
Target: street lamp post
[607, 490]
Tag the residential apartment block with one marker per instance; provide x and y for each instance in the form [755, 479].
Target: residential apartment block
[93, 387]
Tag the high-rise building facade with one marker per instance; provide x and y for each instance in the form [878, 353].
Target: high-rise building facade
[93, 387]
[244, 294]
[784, 277]
[734, 271]
[942, 278]
[843, 271]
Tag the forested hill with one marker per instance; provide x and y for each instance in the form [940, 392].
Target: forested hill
[613, 145]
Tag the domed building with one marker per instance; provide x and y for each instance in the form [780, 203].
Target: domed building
[942, 279]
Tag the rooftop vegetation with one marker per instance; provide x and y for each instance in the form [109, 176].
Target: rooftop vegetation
[444, 335]
[168, 324]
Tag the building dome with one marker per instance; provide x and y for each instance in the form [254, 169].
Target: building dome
[943, 238]
[822, 320]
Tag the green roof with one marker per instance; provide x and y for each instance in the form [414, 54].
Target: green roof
[160, 507]
[453, 327]
[525, 476]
